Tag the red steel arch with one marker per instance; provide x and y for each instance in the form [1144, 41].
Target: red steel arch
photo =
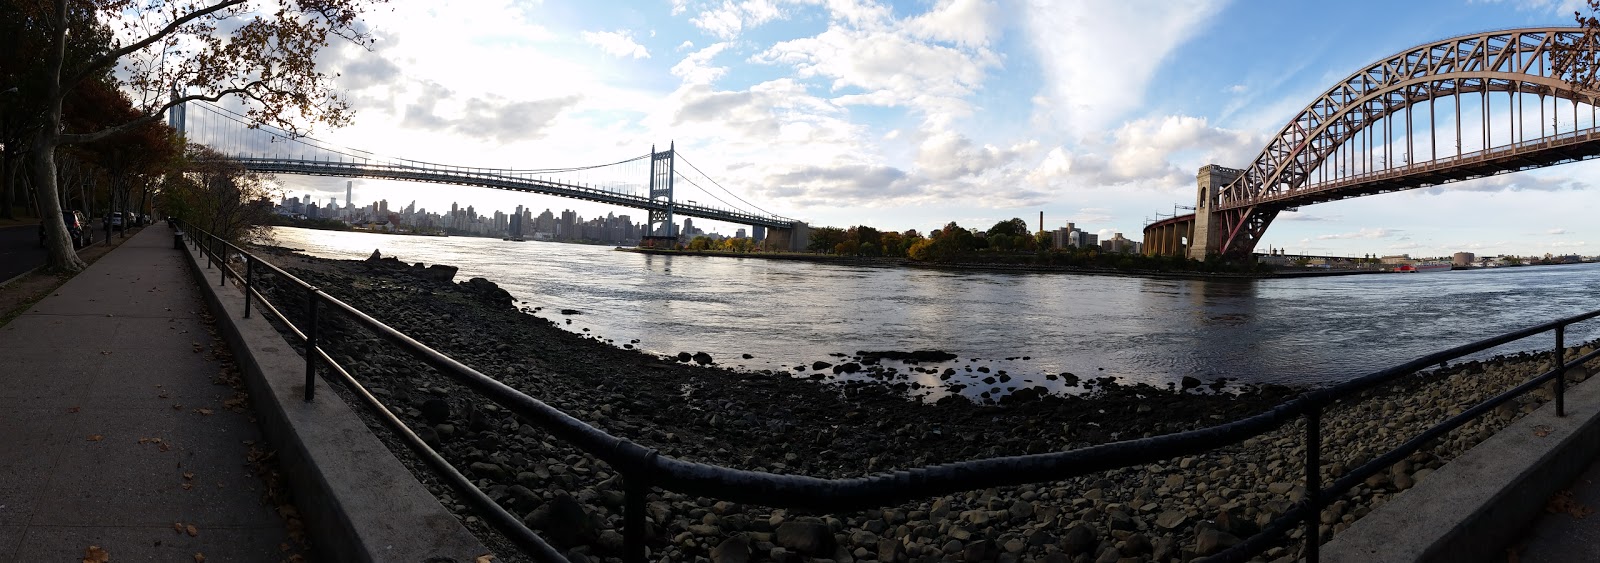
[1294, 168]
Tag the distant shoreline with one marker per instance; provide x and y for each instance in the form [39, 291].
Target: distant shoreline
[884, 262]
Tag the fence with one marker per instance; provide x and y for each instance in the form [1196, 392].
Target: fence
[643, 469]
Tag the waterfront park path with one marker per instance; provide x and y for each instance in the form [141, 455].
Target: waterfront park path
[122, 433]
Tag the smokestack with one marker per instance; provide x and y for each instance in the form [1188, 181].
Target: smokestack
[1041, 221]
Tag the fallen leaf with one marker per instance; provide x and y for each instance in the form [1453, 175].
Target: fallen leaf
[95, 555]
[96, 438]
[1565, 501]
[205, 412]
[193, 531]
[165, 396]
[1541, 430]
[199, 557]
[188, 486]
[188, 475]
[485, 558]
[163, 447]
[72, 409]
[105, 352]
[177, 407]
[177, 527]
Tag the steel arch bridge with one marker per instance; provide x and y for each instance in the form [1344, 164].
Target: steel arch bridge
[1456, 109]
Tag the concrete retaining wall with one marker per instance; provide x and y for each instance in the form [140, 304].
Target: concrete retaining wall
[358, 501]
[1476, 505]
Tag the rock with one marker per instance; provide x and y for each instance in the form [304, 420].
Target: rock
[376, 256]
[435, 411]
[1020, 510]
[1136, 544]
[701, 358]
[489, 292]
[437, 272]
[1190, 382]
[1171, 519]
[1280, 488]
[564, 520]
[733, 549]
[979, 551]
[891, 551]
[820, 365]
[809, 538]
[1211, 540]
[847, 367]
[685, 356]
[1078, 539]
[1109, 555]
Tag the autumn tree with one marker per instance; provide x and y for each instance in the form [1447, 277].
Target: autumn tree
[1575, 58]
[217, 194]
[174, 51]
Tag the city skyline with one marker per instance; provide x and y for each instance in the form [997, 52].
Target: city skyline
[982, 117]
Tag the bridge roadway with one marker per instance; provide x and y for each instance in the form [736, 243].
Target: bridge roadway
[1526, 155]
[500, 180]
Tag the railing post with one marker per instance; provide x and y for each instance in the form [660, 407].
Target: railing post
[249, 281]
[212, 251]
[311, 343]
[633, 518]
[1561, 370]
[1314, 485]
[222, 264]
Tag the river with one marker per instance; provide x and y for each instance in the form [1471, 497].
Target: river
[1302, 331]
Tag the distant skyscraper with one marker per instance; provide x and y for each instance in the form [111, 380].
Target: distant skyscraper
[348, 189]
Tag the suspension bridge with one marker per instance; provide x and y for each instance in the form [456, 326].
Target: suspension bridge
[654, 182]
[1457, 109]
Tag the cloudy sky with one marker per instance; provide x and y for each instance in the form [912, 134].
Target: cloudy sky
[911, 114]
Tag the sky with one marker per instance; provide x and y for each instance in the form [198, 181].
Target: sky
[909, 115]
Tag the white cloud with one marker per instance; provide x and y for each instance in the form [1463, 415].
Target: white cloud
[696, 68]
[729, 19]
[1158, 152]
[1364, 233]
[1556, 232]
[928, 63]
[964, 22]
[1099, 55]
[616, 43]
[1567, 244]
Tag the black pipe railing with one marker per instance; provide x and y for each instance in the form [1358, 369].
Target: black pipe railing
[643, 469]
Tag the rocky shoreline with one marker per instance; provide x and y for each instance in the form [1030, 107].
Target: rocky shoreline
[836, 427]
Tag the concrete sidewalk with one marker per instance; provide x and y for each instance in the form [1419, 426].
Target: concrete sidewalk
[89, 377]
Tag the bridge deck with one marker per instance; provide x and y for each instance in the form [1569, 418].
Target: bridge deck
[1527, 155]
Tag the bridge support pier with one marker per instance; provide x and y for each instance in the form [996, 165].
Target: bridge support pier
[793, 239]
[1208, 235]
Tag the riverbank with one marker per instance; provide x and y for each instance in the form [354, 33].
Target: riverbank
[833, 427]
[890, 262]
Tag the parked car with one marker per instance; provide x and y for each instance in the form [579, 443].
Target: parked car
[116, 220]
[75, 223]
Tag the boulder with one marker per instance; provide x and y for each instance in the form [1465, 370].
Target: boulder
[809, 538]
[732, 550]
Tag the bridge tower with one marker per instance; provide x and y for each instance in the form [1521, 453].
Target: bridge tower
[177, 115]
[1208, 234]
[661, 173]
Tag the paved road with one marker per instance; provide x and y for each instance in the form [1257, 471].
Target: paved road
[19, 250]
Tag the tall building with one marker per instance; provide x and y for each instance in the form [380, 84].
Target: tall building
[349, 188]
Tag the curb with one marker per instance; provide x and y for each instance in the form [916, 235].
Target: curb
[359, 502]
[1477, 504]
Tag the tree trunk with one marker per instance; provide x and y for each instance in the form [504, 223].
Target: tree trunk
[61, 258]
[8, 194]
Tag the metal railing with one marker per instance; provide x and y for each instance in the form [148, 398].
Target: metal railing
[643, 468]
